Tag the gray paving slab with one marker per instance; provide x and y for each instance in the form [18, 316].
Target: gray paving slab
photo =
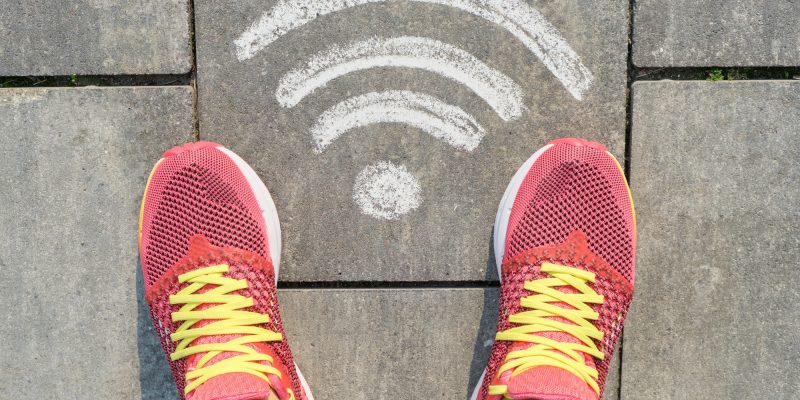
[714, 173]
[384, 343]
[74, 163]
[95, 37]
[327, 237]
[685, 33]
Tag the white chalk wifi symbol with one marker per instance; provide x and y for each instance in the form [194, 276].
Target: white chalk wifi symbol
[498, 90]
[386, 190]
[516, 16]
[427, 113]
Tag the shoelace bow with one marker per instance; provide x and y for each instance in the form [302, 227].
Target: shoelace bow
[539, 318]
[230, 318]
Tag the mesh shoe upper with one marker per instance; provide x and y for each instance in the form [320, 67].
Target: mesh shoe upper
[573, 208]
[575, 187]
[199, 210]
[197, 189]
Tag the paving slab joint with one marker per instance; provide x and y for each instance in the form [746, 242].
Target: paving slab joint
[713, 73]
[388, 284]
[94, 80]
[193, 72]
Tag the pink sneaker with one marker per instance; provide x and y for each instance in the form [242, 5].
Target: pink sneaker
[209, 244]
[564, 239]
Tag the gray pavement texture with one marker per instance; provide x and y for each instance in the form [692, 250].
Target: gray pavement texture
[74, 163]
[688, 33]
[382, 344]
[93, 37]
[460, 190]
[715, 175]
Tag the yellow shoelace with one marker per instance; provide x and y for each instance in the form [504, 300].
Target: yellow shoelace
[229, 319]
[549, 352]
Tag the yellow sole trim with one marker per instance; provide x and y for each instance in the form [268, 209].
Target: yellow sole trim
[144, 197]
[630, 195]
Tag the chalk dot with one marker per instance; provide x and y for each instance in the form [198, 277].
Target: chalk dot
[386, 191]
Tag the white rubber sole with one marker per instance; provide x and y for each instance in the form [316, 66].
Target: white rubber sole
[478, 386]
[265, 204]
[504, 209]
[270, 214]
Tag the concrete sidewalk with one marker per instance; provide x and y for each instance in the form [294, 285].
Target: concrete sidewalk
[375, 304]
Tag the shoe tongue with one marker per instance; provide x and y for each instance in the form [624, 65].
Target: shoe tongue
[241, 385]
[232, 386]
[551, 383]
[237, 385]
